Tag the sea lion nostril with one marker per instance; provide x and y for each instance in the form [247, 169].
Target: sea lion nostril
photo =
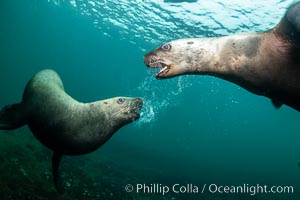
[146, 61]
[138, 103]
[150, 59]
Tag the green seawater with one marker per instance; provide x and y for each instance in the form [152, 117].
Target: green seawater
[193, 129]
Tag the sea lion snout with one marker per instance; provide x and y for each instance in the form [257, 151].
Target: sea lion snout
[138, 102]
[136, 105]
[154, 61]
[150, 59]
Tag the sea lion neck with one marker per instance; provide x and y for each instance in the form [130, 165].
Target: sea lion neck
[238, 59]
[99, 113]
[224, 56]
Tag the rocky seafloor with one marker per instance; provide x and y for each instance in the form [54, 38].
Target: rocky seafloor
[25, 173]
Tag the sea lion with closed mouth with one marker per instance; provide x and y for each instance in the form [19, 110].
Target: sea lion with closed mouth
[61, 123]
[266, 63]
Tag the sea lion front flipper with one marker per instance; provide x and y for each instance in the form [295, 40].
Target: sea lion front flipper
[276, 103]
[12, 117]
[56, 158]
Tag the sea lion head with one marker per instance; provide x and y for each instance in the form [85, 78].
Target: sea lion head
[172, 58]
[121, 110]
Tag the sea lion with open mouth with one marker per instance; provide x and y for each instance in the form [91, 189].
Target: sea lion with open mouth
[266, 63]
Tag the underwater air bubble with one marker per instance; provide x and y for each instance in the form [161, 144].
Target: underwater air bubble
[158, 96]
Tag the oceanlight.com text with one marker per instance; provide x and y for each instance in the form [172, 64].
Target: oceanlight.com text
[252, 190]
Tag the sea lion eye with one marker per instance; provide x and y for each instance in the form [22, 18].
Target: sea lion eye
[166, 47]
[121, 100]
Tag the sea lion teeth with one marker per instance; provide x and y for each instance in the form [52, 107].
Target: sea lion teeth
[163, 69]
